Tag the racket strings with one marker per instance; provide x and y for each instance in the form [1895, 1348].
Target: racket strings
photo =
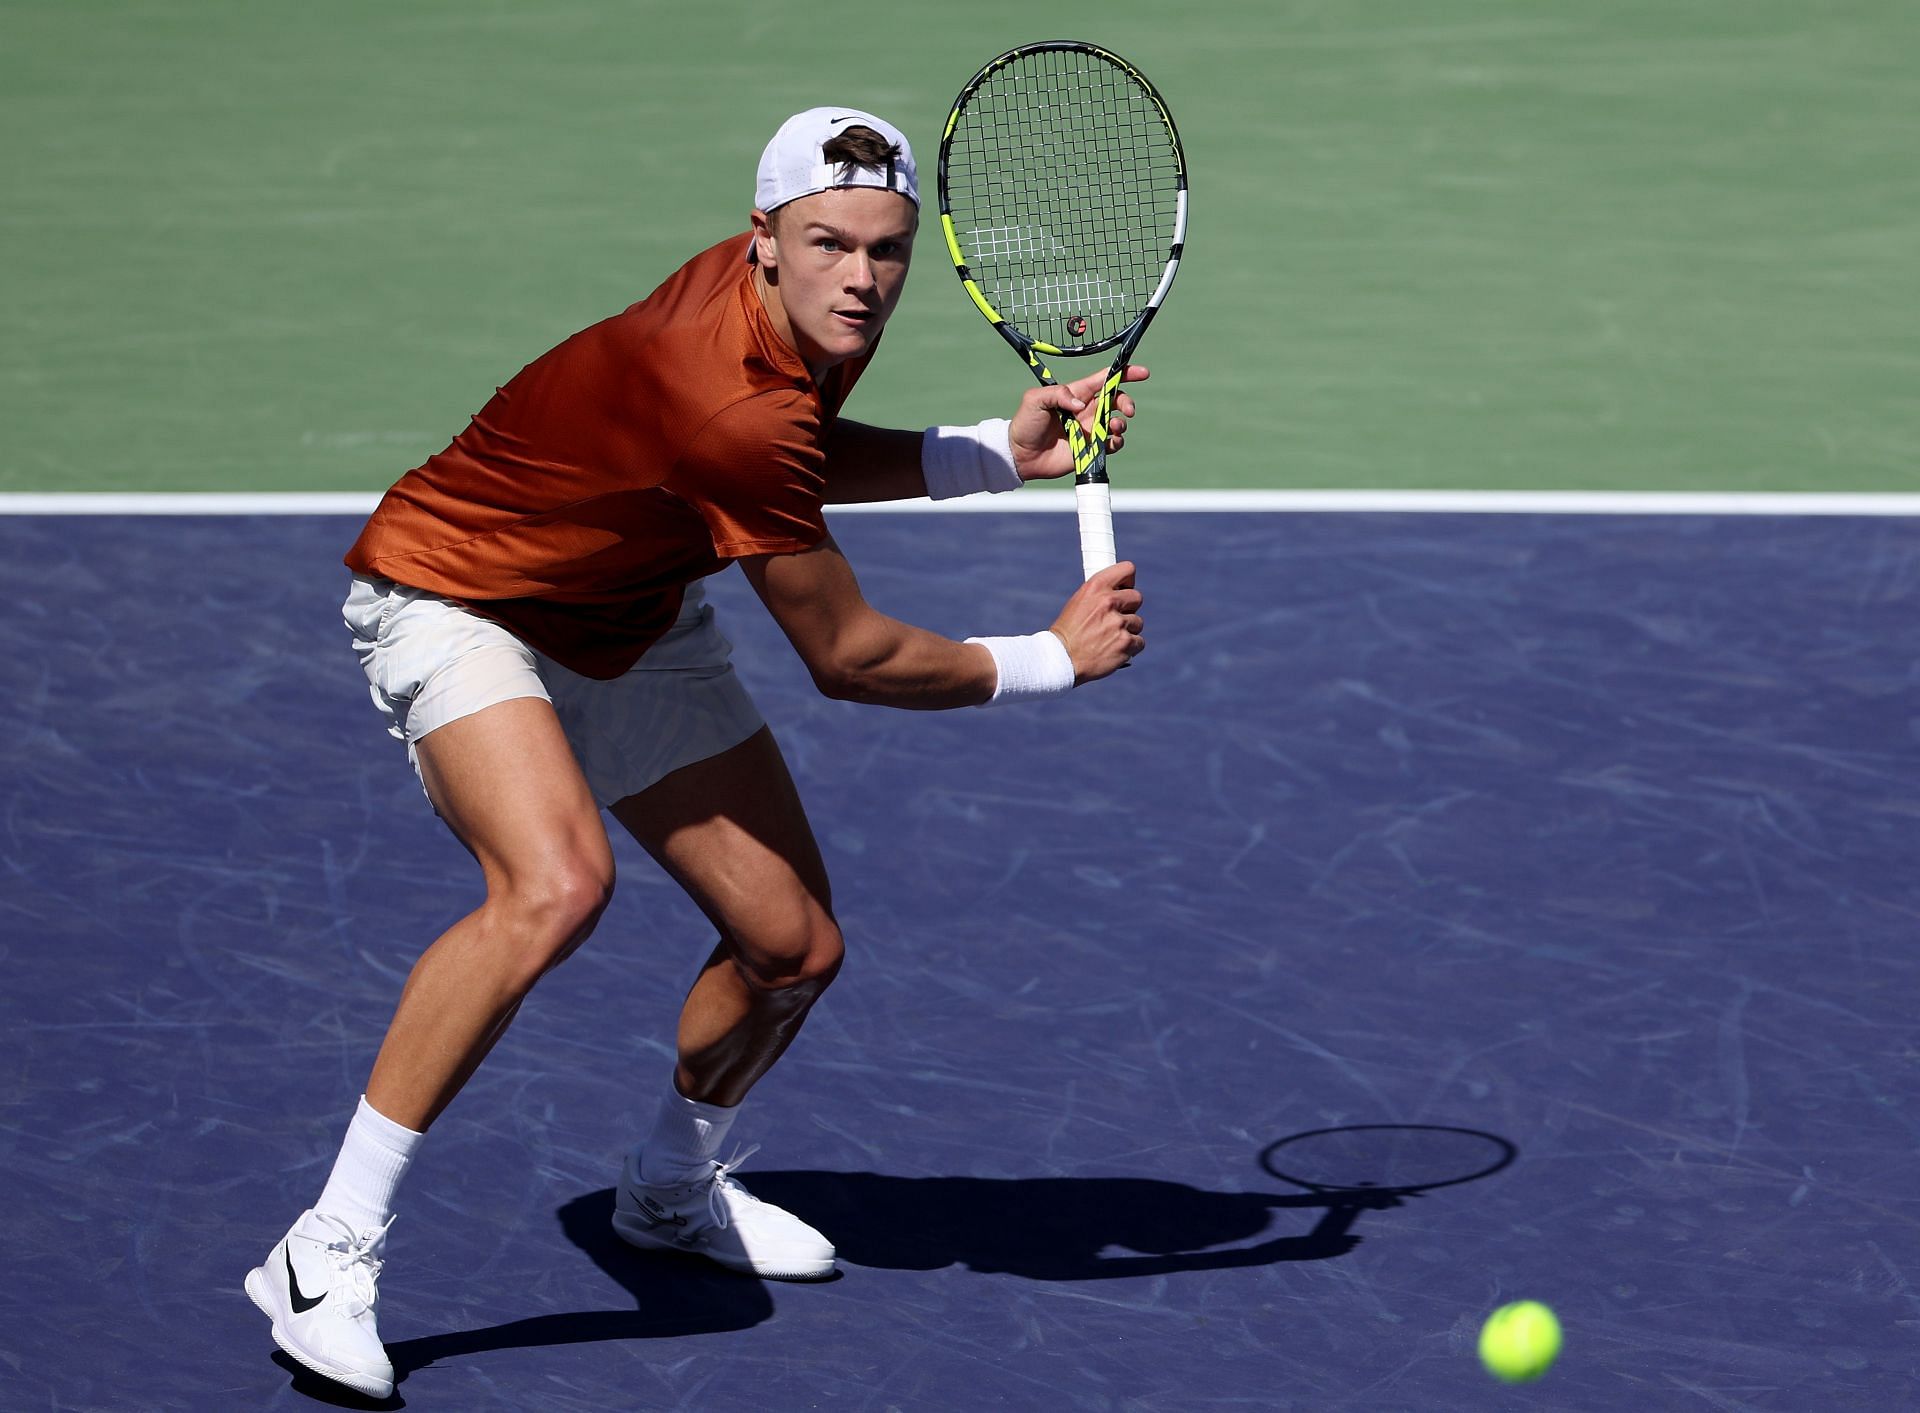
[1063, 183]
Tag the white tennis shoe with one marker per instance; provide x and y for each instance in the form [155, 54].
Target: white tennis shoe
[715, 1217]
[317, 1285]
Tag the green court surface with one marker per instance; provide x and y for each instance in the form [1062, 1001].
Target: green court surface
[1435, 243]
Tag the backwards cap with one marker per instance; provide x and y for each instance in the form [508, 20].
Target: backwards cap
[792, 166]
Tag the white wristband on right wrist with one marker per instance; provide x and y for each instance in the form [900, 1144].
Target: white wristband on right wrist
[958, 461]
[1037, 665]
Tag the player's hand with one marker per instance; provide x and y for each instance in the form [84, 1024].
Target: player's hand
[1041, 450]
[1101, 624]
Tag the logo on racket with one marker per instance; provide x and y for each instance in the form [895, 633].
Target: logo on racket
[1077, 325]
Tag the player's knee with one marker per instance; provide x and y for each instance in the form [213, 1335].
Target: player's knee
[801, 952]
[575, 896]
[555, 911]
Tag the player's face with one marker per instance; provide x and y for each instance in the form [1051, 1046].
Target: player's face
[835, 263]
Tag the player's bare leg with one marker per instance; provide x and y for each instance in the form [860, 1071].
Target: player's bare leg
[731, 831]
[505, 781]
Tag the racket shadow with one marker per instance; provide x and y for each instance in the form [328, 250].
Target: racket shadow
[1050, 1229]
[1371, 1167]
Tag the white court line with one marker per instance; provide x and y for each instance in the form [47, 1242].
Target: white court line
[190, 503]
[1056, 503]
[1441, 502]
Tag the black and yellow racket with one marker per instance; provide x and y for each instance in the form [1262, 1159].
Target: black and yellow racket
[1063, 197]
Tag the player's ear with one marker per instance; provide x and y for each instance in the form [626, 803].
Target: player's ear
[766, 248]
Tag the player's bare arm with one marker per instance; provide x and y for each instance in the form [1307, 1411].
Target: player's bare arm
[868, 464]
[856, 653]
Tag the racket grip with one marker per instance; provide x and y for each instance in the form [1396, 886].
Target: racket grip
[1094, 500]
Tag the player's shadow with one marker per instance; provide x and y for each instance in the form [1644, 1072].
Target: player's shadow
[1059, 1229]
[673, 1296]
[1046, 1229]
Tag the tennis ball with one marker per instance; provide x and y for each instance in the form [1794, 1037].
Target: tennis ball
[1519, 1342]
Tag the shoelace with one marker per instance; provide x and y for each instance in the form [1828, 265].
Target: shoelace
[723, 1182]
[352, 1252]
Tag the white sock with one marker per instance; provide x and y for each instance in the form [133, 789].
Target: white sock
[686, 1139]
[373, 1159]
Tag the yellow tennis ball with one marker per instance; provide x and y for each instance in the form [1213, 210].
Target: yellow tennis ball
[1519, 1342]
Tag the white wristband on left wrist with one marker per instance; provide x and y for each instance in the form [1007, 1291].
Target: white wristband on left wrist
[958, 461]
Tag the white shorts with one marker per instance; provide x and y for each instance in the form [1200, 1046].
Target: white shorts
[429, 661]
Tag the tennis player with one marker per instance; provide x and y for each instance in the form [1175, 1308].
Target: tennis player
[527, 607]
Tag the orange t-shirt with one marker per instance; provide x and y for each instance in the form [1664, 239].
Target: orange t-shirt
[641, 454]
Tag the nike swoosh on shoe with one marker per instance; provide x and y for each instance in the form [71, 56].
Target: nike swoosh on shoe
[301, 1302]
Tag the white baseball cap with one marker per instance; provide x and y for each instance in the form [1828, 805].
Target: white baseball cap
[792, 166]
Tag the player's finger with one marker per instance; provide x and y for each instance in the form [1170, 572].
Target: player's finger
[1134, 624]
[1087, 388]
[1115, 576]
[1136, 373]
[1124, 405]
[1059, 397]
[1129, 601]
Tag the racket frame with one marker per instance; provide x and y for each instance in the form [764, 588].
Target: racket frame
[1092, 490]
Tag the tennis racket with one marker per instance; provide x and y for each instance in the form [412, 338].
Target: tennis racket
[1063, 197]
